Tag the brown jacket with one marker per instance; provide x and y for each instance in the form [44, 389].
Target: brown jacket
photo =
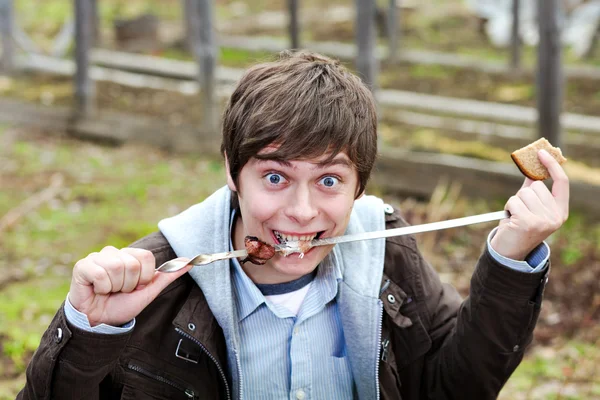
[433, 346]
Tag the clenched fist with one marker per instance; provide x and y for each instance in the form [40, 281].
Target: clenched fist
[536, 212]
[114, 286]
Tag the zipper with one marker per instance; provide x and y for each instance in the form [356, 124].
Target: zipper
[221, 372]
[384, 349]
[188, 392]
[239, 366]
[379, 347]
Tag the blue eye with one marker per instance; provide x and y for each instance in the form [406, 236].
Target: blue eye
[329, 181]
[274, 179]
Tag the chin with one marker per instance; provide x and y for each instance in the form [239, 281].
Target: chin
[294, 265]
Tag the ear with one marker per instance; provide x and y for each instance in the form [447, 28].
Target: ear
[230, 182]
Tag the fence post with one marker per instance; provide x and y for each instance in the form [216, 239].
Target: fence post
[84, 86]
[294, 26]
[366, 62]
[7, 62]
[188, 12]
[206, 55]
[549, 72]
[95, 22]
[393, 32]
[515, 45]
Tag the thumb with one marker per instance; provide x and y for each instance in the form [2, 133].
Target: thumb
[161, 280]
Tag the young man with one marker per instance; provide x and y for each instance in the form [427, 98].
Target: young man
[365, 320]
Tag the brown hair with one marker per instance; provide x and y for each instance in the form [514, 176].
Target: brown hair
[307, 105]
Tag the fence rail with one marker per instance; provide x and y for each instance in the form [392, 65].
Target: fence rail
[421, 171]
[204, 77]
[199, 16]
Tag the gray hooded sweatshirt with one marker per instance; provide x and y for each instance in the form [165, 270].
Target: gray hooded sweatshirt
[205, 228]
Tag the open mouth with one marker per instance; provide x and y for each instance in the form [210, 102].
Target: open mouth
[281, 237]
[302, 241]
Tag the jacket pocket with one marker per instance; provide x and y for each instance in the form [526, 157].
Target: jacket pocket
[408, 338]
[144, 382]
[410, 343]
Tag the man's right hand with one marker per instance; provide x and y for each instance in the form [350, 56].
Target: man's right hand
[114, 286]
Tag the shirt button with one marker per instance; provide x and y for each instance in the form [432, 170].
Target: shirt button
[300, 395]
[296, 330]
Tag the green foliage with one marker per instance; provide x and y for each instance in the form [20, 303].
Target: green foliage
[430, 140]
[546, 373]
[430, 71]
[577, 239]
[228, 56]
[571, 255]
[110, 197]
[242, 58]
[25, 309]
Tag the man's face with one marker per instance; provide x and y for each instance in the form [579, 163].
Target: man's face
[296, 200]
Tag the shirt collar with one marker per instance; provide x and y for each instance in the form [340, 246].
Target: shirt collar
[327, 280]
[247, 296]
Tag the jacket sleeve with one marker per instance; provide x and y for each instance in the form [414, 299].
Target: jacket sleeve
[71, 363]
[477, 345]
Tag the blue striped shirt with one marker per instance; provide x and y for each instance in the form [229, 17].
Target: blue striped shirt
[283, 355]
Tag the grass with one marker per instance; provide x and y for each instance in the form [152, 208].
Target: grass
[25, 312]
[455, 31]
[229, 57]
[115, 195]
[552, 372]
[111, 196]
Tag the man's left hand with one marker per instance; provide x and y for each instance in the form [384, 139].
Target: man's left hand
[536, 212]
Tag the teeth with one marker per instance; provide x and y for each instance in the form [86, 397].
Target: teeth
[292, 238]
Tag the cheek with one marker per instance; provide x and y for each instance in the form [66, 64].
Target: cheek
[339, 212]
[259, 208]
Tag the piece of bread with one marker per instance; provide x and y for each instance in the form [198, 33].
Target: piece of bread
[528, 162]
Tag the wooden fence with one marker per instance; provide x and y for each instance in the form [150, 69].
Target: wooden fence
[199, 17]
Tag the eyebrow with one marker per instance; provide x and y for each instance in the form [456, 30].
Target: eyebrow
[336, 161]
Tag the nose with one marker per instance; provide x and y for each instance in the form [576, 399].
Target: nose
[301, 207]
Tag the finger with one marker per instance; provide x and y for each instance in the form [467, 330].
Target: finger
[89, 273]
[527, 182]
[560, 181]
[541, 190]
[147, 261]
[504, 221]
[109, 259]
[133, 269]
[516, 208]
[533, 202]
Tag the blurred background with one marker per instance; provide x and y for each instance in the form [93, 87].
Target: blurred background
[109, 122]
